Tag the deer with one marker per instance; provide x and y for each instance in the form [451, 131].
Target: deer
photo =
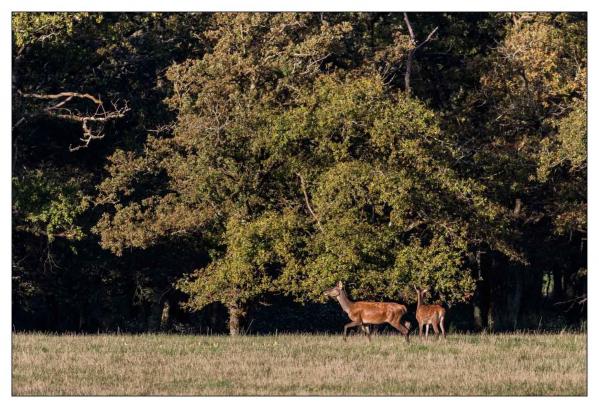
[364, 313]
[429, 315]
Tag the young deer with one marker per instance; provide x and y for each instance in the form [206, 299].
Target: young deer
[362, 313]
[429, 314]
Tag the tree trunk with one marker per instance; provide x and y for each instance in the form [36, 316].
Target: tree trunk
[480, 304]
[515, 297]
[236, 313]
[165, 318]
[81, 318]
[506, 296]
[478, 317]
[154, 316]
[490, 315]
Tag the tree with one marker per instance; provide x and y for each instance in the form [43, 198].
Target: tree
[532, 88]
[214, 168]
[259, 141]
[230, 157]
[68, 71]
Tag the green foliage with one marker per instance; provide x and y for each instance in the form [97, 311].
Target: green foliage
[46, 204]
[115, 57]
[256, 250]
[31, 28]
[537, 79]
[386, 197]
[569, 147]
[281, 153]
[438, 266]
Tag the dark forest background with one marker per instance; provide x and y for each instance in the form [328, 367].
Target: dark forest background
[200, 172]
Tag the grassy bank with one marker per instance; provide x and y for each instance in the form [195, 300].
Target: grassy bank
[514, 364]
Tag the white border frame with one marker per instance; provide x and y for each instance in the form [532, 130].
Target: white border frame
[9, 6]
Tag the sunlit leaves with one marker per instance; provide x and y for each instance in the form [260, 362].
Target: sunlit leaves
[48, 204]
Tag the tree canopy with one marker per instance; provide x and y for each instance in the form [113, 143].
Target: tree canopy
[193, 158]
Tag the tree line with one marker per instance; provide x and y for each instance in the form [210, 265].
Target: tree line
[178, 171]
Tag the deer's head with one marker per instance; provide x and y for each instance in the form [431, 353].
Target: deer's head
[335, 291]
[420, 292]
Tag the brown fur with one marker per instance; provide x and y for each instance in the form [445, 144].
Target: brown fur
[429, 315]
[362, 313]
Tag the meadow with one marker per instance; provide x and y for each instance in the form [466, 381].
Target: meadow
[299, 364]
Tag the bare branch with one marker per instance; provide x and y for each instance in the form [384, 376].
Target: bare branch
[428, 38]
[415, 47]
[88, 136]
[39, 231]
[96, 117]
[169, 127]
[62, 95]
[18, 123]
[99, 117]
[303, 184]
[412, 37]
[517, 207]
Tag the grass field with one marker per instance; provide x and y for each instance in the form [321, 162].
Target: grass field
[514, 364]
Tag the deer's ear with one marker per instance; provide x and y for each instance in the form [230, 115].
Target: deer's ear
[424, 290]
[340, 284]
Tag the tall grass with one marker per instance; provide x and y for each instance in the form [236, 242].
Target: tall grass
[510, 364]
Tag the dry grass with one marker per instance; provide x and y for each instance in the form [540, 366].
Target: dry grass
[516, 364]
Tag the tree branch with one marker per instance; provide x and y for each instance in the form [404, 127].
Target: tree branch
[412, 37]
[428, 38]
[16, 125]
[517, 207]
[60, 111]
[415, 47]
[303, 185]
[62, 95]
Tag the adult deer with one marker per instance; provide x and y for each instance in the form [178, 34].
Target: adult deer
[429, 315]
[362, 313]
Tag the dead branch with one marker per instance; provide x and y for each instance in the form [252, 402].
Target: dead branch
[167, 128]
[415, 47]
[517, 207]
[39, 231]
[412, 36]
[18, 123]
[99, 117]
[316, 218]
[62, 95]
[578, 299]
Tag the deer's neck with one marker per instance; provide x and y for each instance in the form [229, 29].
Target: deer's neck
[344, 302]
[419, 301]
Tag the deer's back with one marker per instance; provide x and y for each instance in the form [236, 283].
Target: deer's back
[426, 312]
[377, 312]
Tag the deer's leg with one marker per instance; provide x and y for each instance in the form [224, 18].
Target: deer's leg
[436, 327]
[402, 329]
[441, 324]
[420, 329]
[366, 330]
[426, 334]
[406, 330]
[347, 326]
[408, 326]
